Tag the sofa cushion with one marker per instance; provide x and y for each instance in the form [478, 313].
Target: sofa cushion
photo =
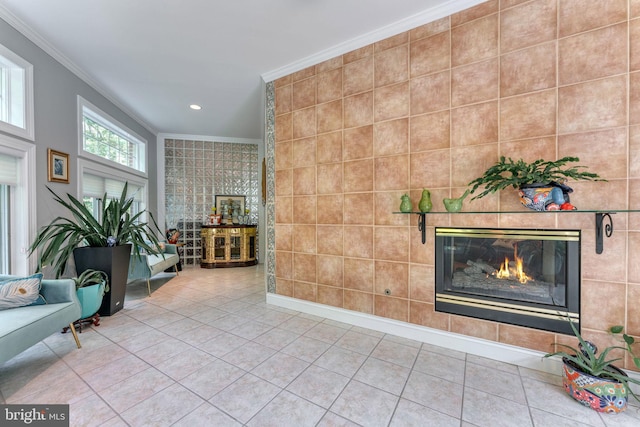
[21, 291]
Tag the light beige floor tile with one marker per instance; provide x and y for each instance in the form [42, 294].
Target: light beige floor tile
[163, 408]
[212, 378]
[439, 365]
[276, 338]
[280, 369]
[327, 333]
[383, 375]
[318, 385]
[207, 415]
[90, 411]
[288, 409]
[395, 352]
[333, 420]
[162, 351]
[114, 372]
[305, 348]
[125, 394]
[435, 393]
[365, 405]
[487, 410]
[248, 356]
[411, 414]
[222, 344]
[358, 342]
[184, 363]
[245, 398]
[298, 324]
[499, 383]
[341, 361]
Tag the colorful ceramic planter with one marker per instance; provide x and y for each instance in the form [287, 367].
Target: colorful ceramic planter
[600, 394]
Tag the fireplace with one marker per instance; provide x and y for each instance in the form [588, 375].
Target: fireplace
[519, 276]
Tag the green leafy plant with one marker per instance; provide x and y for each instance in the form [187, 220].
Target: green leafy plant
[586, 359]
[509, 173]
[117, 226]
[92, 277]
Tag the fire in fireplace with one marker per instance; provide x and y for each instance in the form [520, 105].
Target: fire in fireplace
[523, 277]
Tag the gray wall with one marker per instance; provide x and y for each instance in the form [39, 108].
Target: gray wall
[55, 92]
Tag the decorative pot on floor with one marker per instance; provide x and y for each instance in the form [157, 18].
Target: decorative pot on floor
[114, 261]
[600, 394]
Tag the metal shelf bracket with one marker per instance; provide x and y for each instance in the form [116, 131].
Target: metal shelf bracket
[608, 229]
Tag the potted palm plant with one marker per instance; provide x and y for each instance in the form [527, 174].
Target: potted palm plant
[540, 184]
[104, 243]
[592, 379]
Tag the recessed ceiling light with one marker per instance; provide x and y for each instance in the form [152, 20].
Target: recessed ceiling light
[195, 107]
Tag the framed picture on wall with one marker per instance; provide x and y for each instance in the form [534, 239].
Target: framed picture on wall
[227, 204]
[57, 166]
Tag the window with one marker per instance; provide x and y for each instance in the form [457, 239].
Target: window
[16, 94]
[104, 139]
[17, 194]
[98, 180]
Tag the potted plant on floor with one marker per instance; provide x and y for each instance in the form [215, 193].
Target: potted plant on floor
[91, 285]
[592, 379]
[103, 244]
[540, 184]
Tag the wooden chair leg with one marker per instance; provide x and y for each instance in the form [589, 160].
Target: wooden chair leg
[75, 335]
[149, 286]
[175, 267]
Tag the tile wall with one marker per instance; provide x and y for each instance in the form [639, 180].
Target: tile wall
[195, 171]
[433, 108]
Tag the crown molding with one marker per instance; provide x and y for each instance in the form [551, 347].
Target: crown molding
[406, 24]
[39, 41]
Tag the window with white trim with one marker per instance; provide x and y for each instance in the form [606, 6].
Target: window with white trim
[94, 188]
[16, 94]
[17, 181]
[105, 139]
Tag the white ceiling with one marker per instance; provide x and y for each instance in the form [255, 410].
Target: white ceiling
[155, 57]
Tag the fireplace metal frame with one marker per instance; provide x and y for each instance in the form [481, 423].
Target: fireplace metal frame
[542, 316]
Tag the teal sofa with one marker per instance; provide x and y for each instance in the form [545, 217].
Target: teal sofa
[23, 327]
[146, 266]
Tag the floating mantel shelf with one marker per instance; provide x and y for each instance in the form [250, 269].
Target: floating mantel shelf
[602, 228]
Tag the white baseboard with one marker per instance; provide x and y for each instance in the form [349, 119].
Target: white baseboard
[493, 350]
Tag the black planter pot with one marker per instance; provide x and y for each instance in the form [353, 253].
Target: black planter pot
[115, 262]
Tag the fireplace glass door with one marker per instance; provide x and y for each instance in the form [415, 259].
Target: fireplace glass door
[523, 277]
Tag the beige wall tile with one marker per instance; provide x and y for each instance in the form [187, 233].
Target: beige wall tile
[304, 290]
[304, 210]
[430, 93]
[524, 337]
[284, 127]
[430, 169]
[284, 210]
[634, 152]
[392, 66]
[284, 264]
[634, 45]
[604, 310]
[330, 85]
[430, 29]
[475, 83]
[574, 17]
[329, 178]
[422, 313]
[303, 74]
[391, 137]
[330, 296]
[528, 24]
[474, 327]
[528, 70]
[358, 110]
[329, 116]
[284, 155]
[588, 147]
[387, 202]
[304, 180]
[528, 115]
[391, 42]
[391, 244]
[303, 152]
[474, 41]
[304, 238]
[591, 55]
[358, 241]
[331, 208]
[392, 308]
[358, 301]
[284, 100]
[331, 270]
[284, 182]
[358, 274]
[391, 102]
[304, 93]
[592, 105]
[392, 276]
[358, 143]
[430, 54]
[474, 124]
[304, 123]
[391, 173]
[475, 12]
[284, 239]
[634, 98]
[358, 176]
[330, 241]
[357, 54]
[359, 208]
[304, 267]
[430, 131]
[329, 147]
[358, 76]
[421, 282]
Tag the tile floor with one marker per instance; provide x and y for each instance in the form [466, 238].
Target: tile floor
[206, 350]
